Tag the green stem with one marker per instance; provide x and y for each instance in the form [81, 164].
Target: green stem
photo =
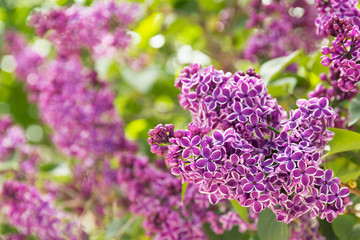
[273, 129]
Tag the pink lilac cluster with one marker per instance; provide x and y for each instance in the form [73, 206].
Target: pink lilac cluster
[155, 194]
[241, 146]
[73, 100]
[101, 29]
[31, 213]
[341, 19]
[283, 27]
[13, 145]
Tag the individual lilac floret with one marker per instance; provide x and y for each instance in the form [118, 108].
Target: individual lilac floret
[277, 166]
[101, 28]
[31, 213]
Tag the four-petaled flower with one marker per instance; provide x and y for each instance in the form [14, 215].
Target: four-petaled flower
[239, 113]
[305, 173]
[256, 201]
[191, 147]
[208, 160]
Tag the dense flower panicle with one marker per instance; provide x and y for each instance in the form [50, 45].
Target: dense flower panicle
[155, 194]
[341, 9]
[215, 98]
[284, 26]
[258, 157]
[101, 28]
[76, 103]
[32, 213]
[341, 20]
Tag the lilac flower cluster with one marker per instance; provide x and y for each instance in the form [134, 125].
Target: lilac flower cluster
[32, 213]
[284, 26]
[342, 9]
[101, 28]
[254, 153]
[341, 20]
[75, 102]
[155, 194]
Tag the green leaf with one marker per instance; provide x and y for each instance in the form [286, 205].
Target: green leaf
[345, 228]
[183, 191]
[282, 86]
[134, 128]
[343, 225]
[47, 167]
[344, 169]
[327, 230]
[242, 211]
[113, 228]
[273, 67]
[143, 80]
[354, 110]
[269, 228]
[344, 140]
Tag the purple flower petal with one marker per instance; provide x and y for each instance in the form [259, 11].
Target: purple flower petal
[248, 187]
[185, 142]
[211, 166]
[257, 207]
[201, 163]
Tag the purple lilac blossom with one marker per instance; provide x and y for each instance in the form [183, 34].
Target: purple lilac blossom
[340, 19]
[73, 100]
[101, 28]
[155, 194]
[283, 27]
[258, 156]
[31, 213]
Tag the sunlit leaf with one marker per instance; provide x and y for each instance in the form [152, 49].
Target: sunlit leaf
[282, 86]
[269, 228]
[272, 68]
[344, 227]
[344, 140]
[183, 191]
[242, 211]
[344, 169]
[354, 110]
